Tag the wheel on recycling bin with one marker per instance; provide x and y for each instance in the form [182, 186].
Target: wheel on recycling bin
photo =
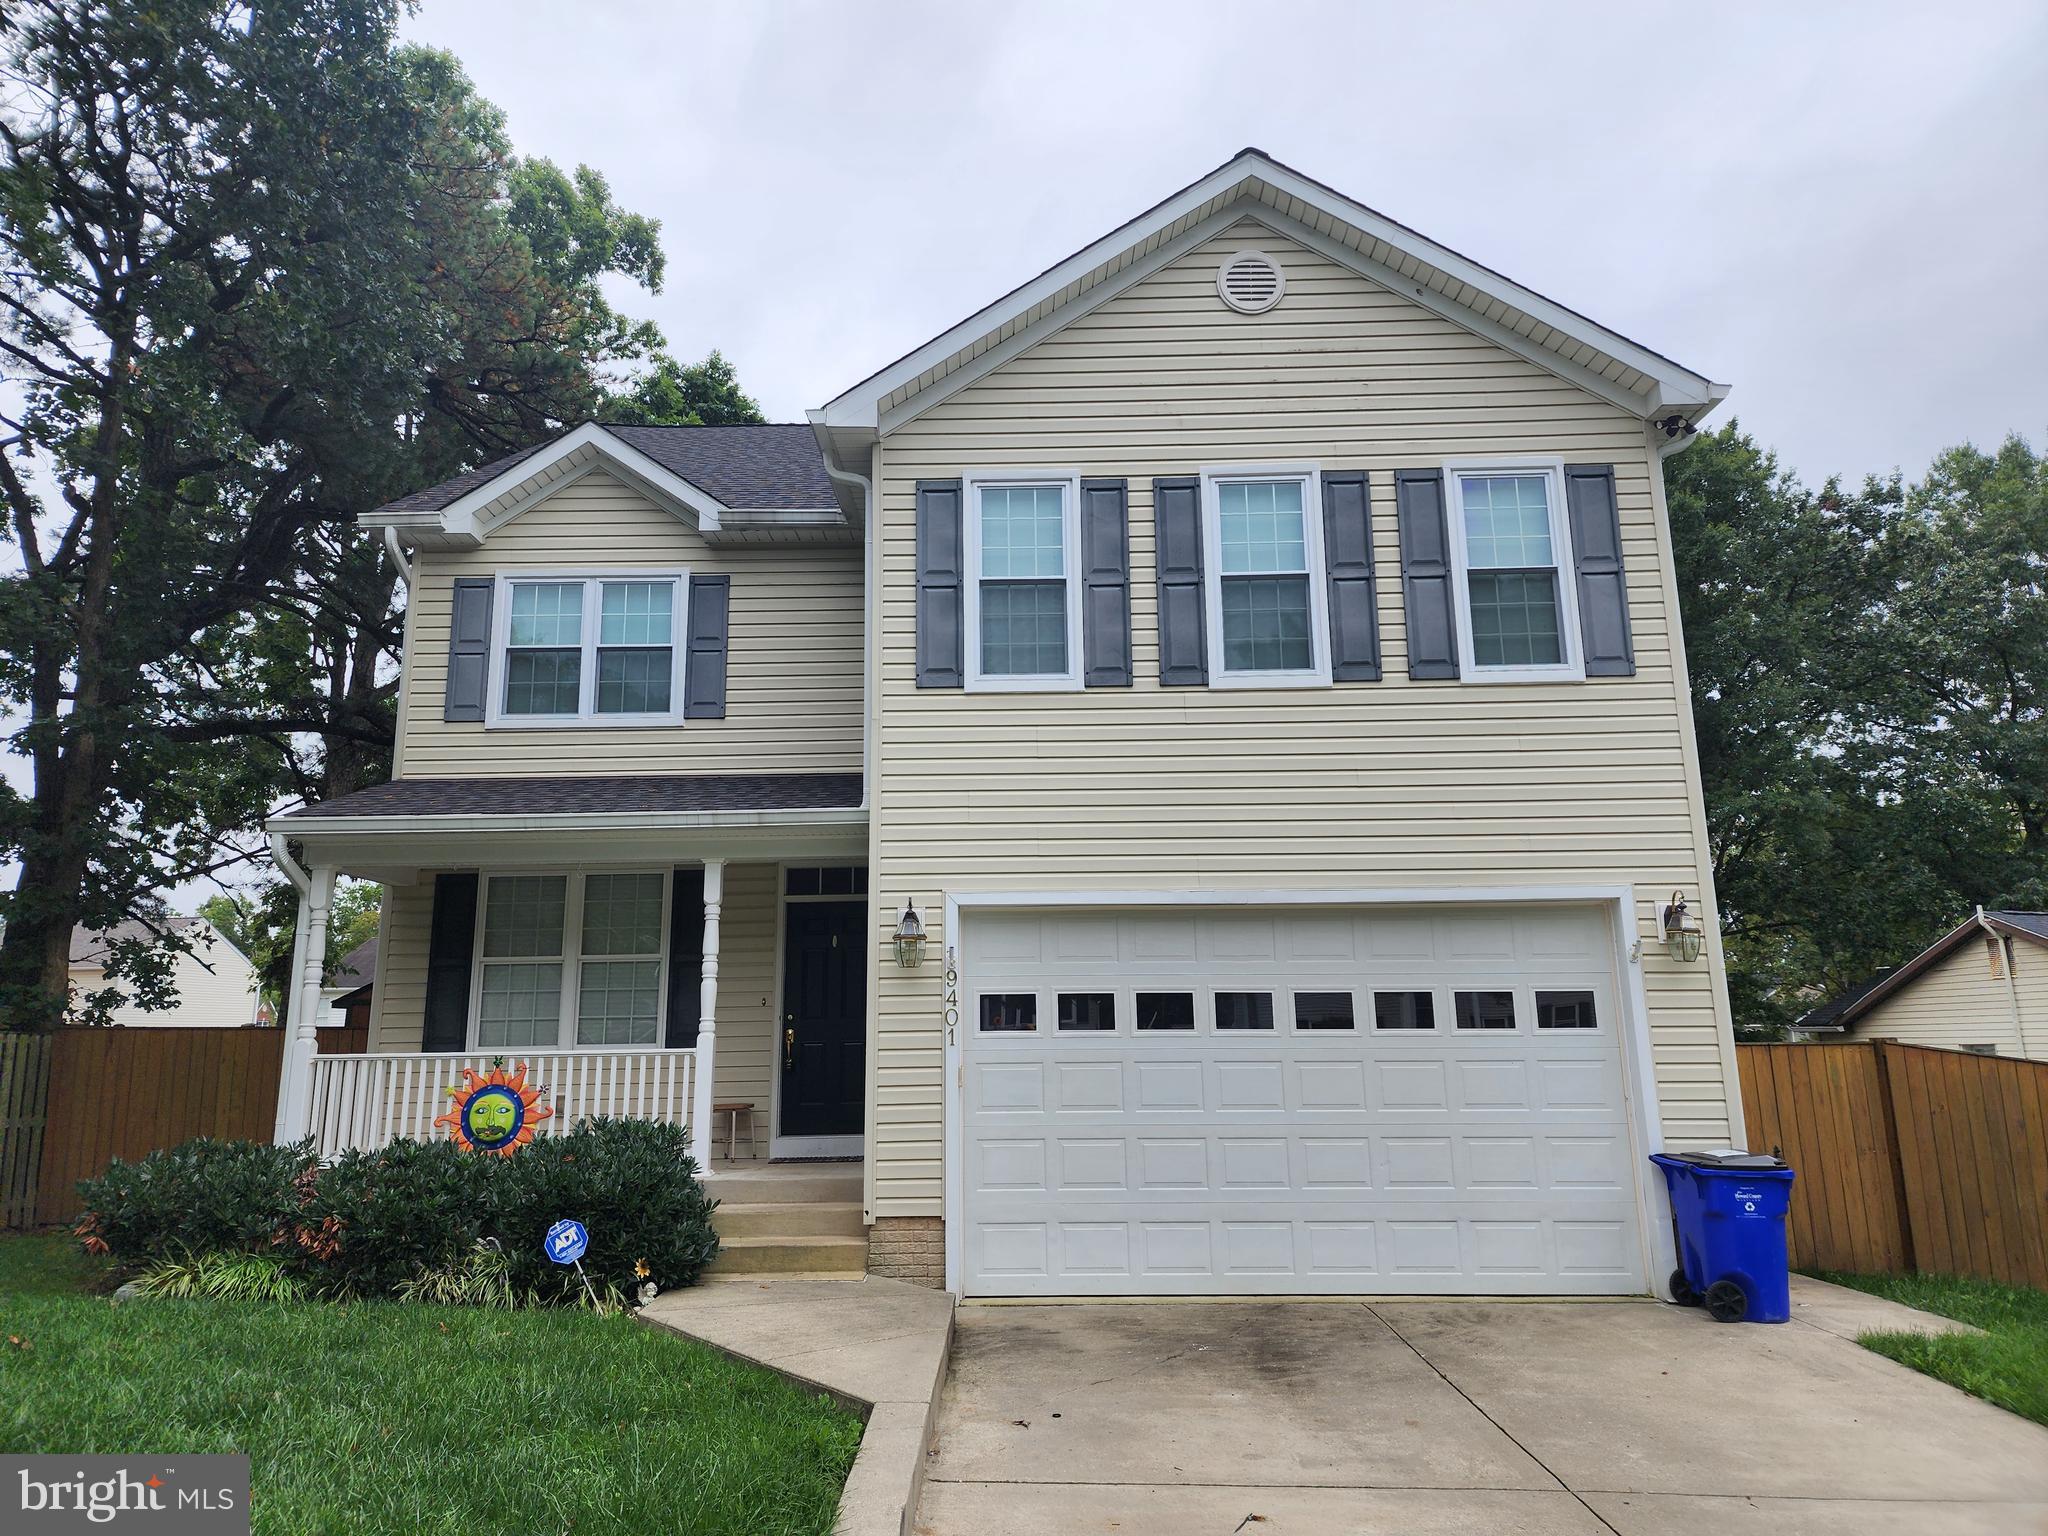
[1682, 1291]
[1726, 1302]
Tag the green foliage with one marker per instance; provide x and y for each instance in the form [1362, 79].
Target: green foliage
[670, 394]
[2007, 1364]
[221, 1277]
[420, 1220]
[372, 1220]
[201, 1197]
[481, 1277]
[377, 1417]
[631, 1182]
[1867, 673]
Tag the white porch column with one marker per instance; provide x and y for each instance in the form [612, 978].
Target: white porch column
[707, 1015]
[309, 966]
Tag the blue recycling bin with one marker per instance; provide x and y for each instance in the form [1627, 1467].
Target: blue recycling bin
[1728, 1210]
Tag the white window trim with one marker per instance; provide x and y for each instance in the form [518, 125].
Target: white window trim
[1317, 674]
[571, 958]
[586, 714]
[1069, 482]
[1573, 668]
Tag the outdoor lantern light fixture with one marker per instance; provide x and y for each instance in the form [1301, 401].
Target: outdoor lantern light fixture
[910, 938]
[1681, 930]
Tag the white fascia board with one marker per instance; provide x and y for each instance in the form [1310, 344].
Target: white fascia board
[459, 521]
[1677, 388]
[296, 826]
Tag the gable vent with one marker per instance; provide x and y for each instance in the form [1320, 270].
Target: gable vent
[1251, 282]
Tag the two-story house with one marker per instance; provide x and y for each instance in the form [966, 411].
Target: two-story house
[1248, 651]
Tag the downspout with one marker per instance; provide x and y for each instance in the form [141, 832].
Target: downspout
[2012, 987]
[867, 603]
[397, 554]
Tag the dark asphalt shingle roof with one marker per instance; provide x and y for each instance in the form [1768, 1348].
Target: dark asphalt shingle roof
[770, 467]
[595, 794]
[1844, 1000]
[2035, 923]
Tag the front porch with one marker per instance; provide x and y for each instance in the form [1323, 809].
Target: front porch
[640, 964]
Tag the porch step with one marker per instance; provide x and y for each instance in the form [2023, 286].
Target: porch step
[785, 1183]
[791, 1256]
[823, 1218]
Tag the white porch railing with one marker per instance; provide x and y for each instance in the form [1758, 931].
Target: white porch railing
[366, 1102]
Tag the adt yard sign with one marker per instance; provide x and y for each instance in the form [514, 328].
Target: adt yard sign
[567, 1242]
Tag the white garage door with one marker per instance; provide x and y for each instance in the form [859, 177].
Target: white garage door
[1264, 1101]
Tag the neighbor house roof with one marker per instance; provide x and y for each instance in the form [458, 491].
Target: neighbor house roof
[772, 466]
[357, 968]
[1252, 184]
[1842, 1011]
[93, 946]
[593, 795]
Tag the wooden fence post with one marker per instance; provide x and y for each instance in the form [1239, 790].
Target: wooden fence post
[24, 1118]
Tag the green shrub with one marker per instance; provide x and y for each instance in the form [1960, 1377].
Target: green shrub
[633, 1183]
[204, 1196]
[481, 1277]
[376, 1219]
[222, 1277]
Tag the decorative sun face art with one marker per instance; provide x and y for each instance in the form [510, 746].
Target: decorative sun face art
[494, 1113]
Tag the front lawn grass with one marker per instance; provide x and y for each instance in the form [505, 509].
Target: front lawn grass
[2006, 1365]
[381, 1417]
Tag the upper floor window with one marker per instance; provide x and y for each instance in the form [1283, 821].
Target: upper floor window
[1023, 608]
[1264, 563]
[1511, 547]
[598, 649]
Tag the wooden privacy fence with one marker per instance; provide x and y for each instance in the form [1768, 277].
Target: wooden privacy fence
[1908, 1158]
[24, 1095]
[124, 1092]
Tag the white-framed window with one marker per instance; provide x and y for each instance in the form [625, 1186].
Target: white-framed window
[1023, 598]
[1262, 561]
[1511, 555]
[570, 959]
[588, 648]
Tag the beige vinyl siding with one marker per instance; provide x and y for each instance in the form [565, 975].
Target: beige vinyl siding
[1957, 1001]
[744, 1054]
[792, 666]
[1370, 786]
[214, 985]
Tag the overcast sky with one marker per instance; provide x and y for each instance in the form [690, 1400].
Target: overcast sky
[1838, 211]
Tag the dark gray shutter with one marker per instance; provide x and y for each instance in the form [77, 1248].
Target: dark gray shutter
[1177, 536]
[451, 947]
[938, 584]
[1105, 584]
[704, 668]
[1603, 585]
[469, 649]
[1426, 573]
[685, 958]
[1354, 605]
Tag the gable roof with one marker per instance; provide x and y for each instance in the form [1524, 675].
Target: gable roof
[1253, 184]
[92, 947]
[763, 476]
[1842, 1011]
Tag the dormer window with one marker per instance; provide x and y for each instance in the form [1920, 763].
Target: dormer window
[588, 649]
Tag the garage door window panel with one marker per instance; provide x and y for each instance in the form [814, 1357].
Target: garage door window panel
[1403, 1010]
[1323, 1010]
[1566, 1010]
[1244, 1011]
[1087, 1012]
[1489, 1010]
[1165, 1012]
[1008, 1013]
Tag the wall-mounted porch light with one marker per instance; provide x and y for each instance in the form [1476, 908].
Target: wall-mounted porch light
[1681, 930]
[910, 938]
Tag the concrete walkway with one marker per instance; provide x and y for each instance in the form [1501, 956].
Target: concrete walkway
[1547, 1419]
[879, 1346]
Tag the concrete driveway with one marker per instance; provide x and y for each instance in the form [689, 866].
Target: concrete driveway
[1417, 1418]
